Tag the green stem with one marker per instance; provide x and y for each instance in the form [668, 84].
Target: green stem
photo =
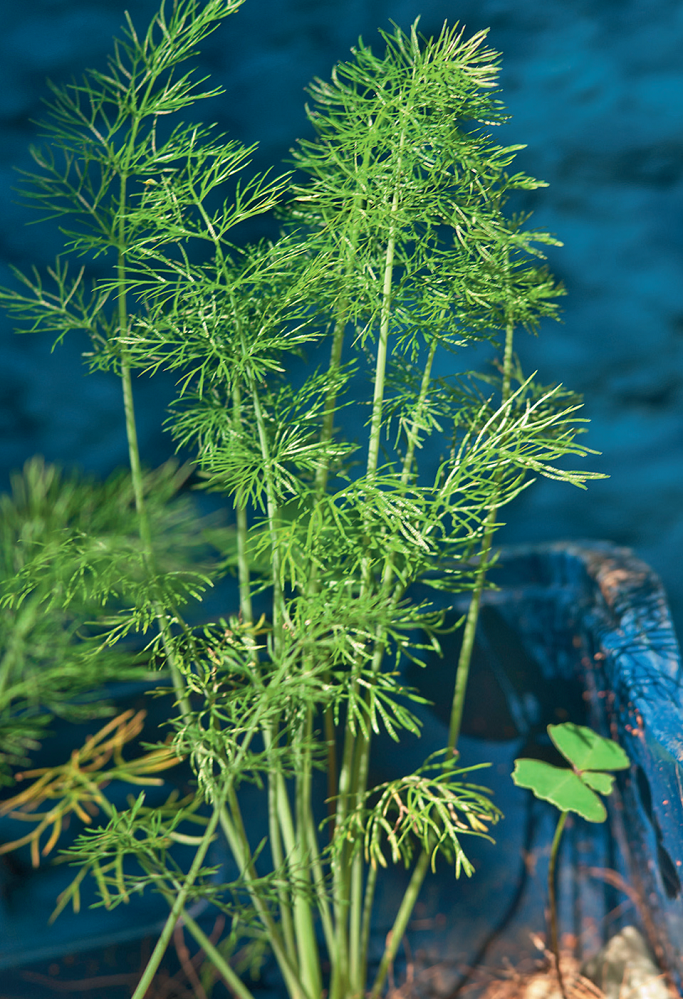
[279, 609]
[311, 975]
[554, 937]
[356, 910]
[177, 907]
[332, 777]
[465, 658]
[339, 958]
[235, 833]
[380, 645]
[462, 675]
[368, 901]
[400, 923]
[135, 467]
[278, 855]
[231, 978]
[241, 516]
[382, 350]
[295, 846]
[311, 837]
[323, 469]
[233, 827]
[309, 956]
[321, 479]
[146, 538]
[362, 750]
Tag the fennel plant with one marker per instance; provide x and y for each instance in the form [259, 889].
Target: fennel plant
[395, 257]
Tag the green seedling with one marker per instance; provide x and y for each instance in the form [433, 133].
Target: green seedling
[571, 790]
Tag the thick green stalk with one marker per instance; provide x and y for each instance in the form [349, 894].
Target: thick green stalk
[278, 856]
[321, 479]
[279, 815]
[361, 743]
[309, 959]
[230, 818]
[380, 645]
[235, 833]
[356, 923]
[295, 846]
[368, 901]
[310, 833]
[308, 944]
[346, 874]
[339, 959]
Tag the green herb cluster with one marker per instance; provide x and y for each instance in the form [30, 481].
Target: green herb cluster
[395, 257]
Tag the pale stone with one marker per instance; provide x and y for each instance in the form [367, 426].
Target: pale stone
[624, 968]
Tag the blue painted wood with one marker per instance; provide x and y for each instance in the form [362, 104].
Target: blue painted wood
[580, 632]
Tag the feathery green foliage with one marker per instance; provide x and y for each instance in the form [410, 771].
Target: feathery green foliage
[395, 257]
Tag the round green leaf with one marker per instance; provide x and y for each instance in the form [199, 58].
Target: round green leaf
[587, 750]
[563, 788]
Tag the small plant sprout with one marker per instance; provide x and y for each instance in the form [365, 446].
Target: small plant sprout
[571, 790]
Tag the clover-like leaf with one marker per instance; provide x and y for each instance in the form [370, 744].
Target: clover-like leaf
[586, 750]
[598, 781]
[573, 790]
[563, 787]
